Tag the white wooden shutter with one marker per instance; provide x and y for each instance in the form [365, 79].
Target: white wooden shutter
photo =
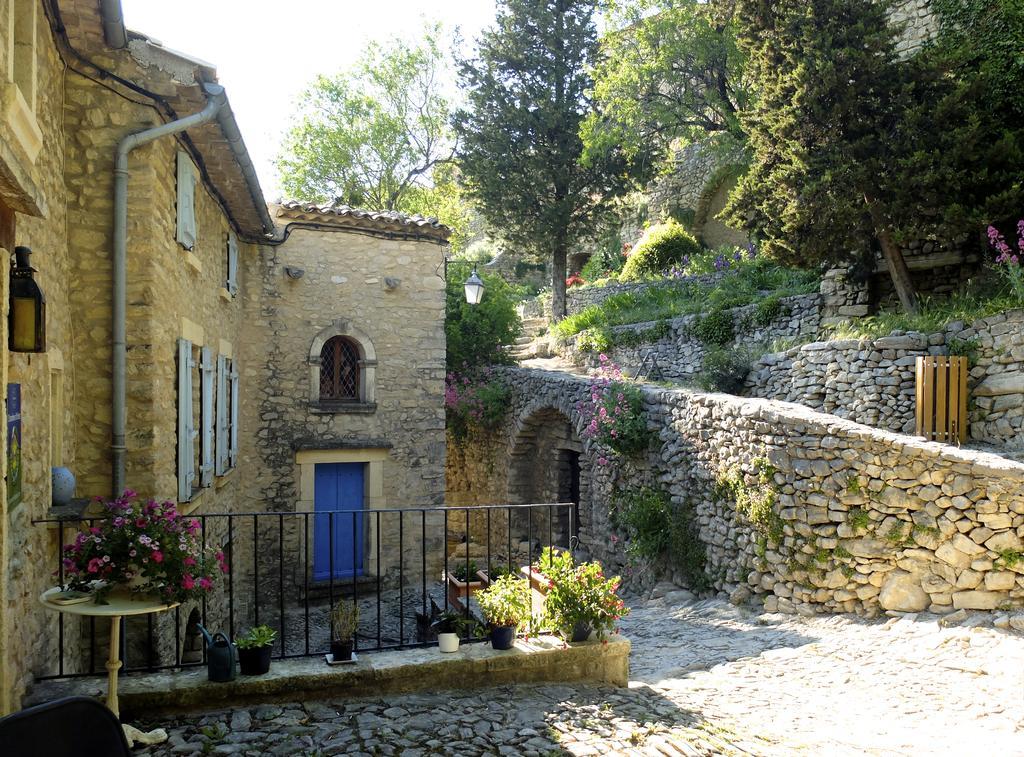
[206, 416]
[186, 228]
[232, 282]
[186, 449]
[233, 449]
[222, 415]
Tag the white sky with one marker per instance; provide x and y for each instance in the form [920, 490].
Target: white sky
[266, 53]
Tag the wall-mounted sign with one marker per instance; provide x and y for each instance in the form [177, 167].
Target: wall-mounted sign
[14, 470]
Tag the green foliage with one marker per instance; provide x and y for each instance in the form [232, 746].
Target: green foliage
[602, 340]
[858, 519]
[506, 602]
[756, 501]
[714, 329]
[594, 340]
[478, 334]
[1009, 558]
[968, 348]
[977, 301]
[579, 594]
[527, 92]
[725, 369]
[669, 70]
[655, 529]
[742, 286]
[450, 621]
[769, 309]
[661, 247]
[479, 400]
[615, 417]
[258, 636]
[607, 259]
[370, 137]
[984, 39]
[463, 572]
[853, 147]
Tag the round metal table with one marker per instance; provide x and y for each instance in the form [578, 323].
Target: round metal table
[118, 606]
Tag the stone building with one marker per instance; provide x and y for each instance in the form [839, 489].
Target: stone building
[220, 411]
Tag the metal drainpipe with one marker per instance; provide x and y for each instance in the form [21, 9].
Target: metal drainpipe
[215, 101]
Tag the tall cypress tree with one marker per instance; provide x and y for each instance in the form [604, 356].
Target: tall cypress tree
[528, 91]
[853, 148]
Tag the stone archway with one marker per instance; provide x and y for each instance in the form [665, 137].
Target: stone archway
[545, 467]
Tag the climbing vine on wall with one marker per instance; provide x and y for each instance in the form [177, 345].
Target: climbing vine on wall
[757, 501]
[656, 529]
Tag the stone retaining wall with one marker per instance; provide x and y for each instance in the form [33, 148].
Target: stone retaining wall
[872, 381]
[679, 354]
[855, 519]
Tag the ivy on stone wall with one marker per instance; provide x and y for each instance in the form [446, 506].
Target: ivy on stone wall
[755, 500]
[655, 530]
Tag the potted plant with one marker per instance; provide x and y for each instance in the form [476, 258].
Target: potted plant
[344, 619]
[254, 650]
[495, 572]
[145, 548]
[449, 627]
[579, 599]
[506, 606]
[463, 580]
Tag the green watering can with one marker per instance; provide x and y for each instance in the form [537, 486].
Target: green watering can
[221, 656]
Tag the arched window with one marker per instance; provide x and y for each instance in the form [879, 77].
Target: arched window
[339, 370]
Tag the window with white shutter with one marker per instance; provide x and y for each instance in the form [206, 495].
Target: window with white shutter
[233, 431]
[232, 280]
[186, 228]
[223, 416]
[206, 416]
[186, 427]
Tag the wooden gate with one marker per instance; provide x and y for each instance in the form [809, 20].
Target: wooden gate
[942, 398]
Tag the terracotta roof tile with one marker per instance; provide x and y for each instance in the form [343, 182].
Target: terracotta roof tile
[345, 215]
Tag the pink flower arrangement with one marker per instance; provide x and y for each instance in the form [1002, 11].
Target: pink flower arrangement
[472, 401]
[151, 541]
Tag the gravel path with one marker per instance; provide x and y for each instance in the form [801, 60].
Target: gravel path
[708, 679]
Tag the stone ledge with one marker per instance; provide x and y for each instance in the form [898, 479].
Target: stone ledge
[541, 660]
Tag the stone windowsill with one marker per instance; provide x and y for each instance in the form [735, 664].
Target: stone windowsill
[224, 478]
[21, 121]
[73, 511]
[337, 408]
[193, 261]
[226, 295]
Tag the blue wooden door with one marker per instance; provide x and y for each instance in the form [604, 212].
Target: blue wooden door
[337, 534]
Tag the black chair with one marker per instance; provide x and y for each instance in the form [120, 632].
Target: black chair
[72, 727]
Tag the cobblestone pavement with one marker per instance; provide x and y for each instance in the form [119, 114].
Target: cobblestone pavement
[708, 678]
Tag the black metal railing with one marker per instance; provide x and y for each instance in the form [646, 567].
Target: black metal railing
[399, 562]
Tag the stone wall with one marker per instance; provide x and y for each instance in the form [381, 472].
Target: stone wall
[873, 381]
[852, 519]
[679, 355]
[919, 23]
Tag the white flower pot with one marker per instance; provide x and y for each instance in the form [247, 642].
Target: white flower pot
[448, 642]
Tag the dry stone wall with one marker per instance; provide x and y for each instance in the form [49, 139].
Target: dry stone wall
[678, 354]
[847, 518]
[872, 381]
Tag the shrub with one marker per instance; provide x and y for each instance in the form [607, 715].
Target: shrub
[478, 334]
[615, 416]
[506, 602]
[714, 329]
[344, 620]
[726, 370]
[479, 400]
[656, 529]
[661, 247]
[257, 637]
[579, 594]
[594, 340]
[768, 310]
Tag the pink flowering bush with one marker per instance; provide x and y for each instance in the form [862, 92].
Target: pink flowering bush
[1010, 260]
[614, 414]
[148, 545]
[579, 595]
[477, 400]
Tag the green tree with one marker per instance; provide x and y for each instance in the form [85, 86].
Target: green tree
[527, 94]
[853, 148]
[671, 70]
[374, 135]
[478, 335]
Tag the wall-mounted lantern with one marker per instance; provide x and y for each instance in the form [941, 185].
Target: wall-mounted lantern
[474, 289]
[26, 322]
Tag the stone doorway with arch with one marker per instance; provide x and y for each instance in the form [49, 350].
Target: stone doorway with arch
[545, 466]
